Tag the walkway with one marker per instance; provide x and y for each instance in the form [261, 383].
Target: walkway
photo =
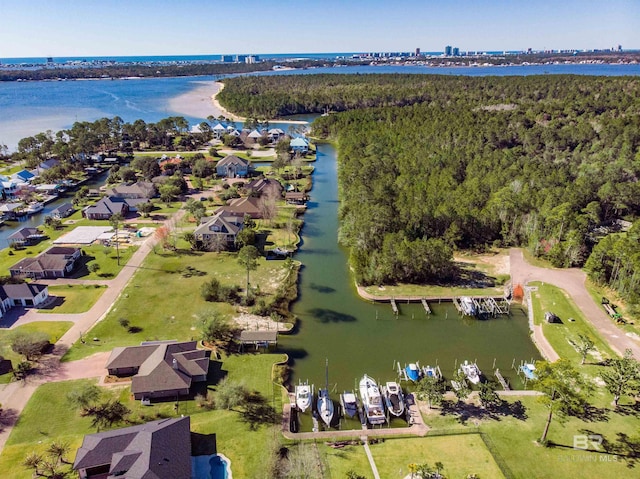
[14, 396]
[572, 281]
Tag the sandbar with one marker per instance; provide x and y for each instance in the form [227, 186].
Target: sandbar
[201, 102]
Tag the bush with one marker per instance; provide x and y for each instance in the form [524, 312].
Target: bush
[215, 292]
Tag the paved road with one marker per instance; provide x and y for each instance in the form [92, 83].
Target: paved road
[572, 280]
[14, 396]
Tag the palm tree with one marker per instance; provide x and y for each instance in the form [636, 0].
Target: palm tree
[33, 460]
[57, 450]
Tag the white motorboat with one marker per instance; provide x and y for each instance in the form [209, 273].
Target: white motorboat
[471, 371]
[304, 394]
[393, 398]
[33, 208]
[371, 401]
[349, 403]
[468, 306]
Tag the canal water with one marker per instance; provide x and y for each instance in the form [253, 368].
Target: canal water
[359, 337]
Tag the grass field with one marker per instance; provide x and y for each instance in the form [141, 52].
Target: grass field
[48, 417]
[551, 298]
[163, 298]
[73, 299]
[53, 329]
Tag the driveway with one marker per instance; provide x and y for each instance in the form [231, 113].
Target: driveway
[572, 280]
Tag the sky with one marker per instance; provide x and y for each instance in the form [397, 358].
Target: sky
[56, 28]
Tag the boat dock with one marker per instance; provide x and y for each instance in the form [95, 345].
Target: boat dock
[503, 382]
[425, 305]
[394, 306]
[486, 306]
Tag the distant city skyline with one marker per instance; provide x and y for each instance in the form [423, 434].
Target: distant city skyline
[68, 28]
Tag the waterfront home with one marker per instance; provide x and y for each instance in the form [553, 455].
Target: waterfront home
[9, 188]
[106, 207]
[263, 185]
[62, 211]
[48, 164]
[254, 136]
[232, 167]
[299, 145]
[160, 369]
[222, 228]
[243, 206]
[275, 134]
[56, 262]
[218, 131]
[25, 237]
[12, 210]
[155, 450]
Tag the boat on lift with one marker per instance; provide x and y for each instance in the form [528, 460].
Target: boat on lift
[349, 402]
[393, 398]
[372, 405]
[471, 371]
[304, 395]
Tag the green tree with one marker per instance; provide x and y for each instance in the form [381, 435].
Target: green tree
[215, 326]
[30, 345]
[584, 345]
[564, 390]
[463, 390]
[248, 258]
[230, 393]
[622, 376]
[84, 396]
[196, 209]
[107, 413]
[169, 192]
[488, 395]
[146, 208]
[431, 389]
[93, 267]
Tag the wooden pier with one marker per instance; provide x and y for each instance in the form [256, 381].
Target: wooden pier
[503, 382]
[394, 306]
[425, 305]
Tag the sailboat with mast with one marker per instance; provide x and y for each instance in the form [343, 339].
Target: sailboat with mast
[326, 408]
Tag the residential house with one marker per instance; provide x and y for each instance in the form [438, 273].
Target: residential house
[25, 237]
[48, 164]
[160, 369]
[12, 210]
[9, 188]
[218, 131]
[275, 134]
[243, 206]
[299, 145]
[62, 211]
[224, 226]
[23, 294]
[106, 207]
[155, 450]
[231, 167]
[139, 190]
[56, 262]
[254, 136]
[263, 185]
[24, 176]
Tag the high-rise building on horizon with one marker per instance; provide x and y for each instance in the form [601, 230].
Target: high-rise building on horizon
[448, 50]
[456, 52]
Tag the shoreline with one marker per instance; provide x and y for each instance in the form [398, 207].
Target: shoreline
[202, 102]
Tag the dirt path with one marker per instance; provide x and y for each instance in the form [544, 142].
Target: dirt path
[14, 396]
[573, 282]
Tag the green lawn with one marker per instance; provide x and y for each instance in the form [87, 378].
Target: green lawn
[163, 298]
[48, 417]
[551, 298]
[73, 299]
[514, 442]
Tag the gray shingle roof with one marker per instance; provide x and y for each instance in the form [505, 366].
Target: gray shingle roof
[155, 450]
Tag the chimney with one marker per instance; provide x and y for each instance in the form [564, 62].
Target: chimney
[175, 363]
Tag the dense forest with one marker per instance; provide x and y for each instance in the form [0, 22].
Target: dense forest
[429, 164]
